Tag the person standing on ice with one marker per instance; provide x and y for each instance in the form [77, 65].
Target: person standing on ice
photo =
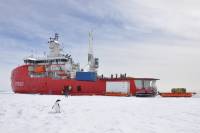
[56, 106]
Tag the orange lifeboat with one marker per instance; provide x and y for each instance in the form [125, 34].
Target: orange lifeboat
[39, 69]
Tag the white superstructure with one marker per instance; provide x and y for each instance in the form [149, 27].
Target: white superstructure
[55, 60]
[54, 46]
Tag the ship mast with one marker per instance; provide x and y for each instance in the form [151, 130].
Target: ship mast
[93, 62]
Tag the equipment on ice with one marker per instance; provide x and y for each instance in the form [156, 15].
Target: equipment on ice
[56, 106]
[177, 92]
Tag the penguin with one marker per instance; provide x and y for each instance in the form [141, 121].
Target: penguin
[56, 106]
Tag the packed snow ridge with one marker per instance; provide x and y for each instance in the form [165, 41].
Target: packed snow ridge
[98, 114]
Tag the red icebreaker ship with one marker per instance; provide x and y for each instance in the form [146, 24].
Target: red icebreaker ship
[58, 74]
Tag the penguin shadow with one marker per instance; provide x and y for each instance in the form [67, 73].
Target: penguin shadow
[53, 112]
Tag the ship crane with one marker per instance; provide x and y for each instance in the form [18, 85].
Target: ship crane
[93, 63]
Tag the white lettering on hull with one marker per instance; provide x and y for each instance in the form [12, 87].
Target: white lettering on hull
[19, 84]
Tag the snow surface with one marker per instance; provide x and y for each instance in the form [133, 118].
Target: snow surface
[98, 114]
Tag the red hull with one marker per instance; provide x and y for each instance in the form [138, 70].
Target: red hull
[22, 83]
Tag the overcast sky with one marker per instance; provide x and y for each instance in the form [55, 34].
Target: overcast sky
[157, 38]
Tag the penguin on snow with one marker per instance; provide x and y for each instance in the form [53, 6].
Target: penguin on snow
[56, 106]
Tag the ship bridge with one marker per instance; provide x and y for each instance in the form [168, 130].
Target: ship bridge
[57, 60]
